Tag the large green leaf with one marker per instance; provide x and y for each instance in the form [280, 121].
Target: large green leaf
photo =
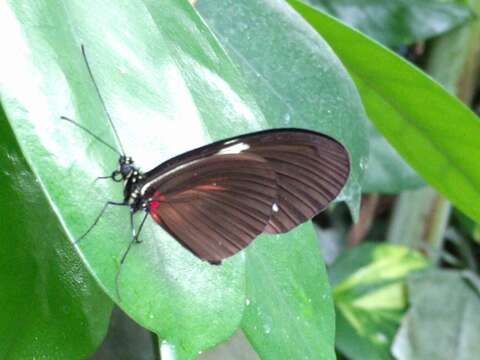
[444, 316]
[293, 74]
[431, 129]
[169, 87]
[369, 293]
[290, 310]
[44, 289]
[397, 22]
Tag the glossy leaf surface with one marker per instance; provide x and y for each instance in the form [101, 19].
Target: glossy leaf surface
[289, 312]
[44, 288]
[431, 129]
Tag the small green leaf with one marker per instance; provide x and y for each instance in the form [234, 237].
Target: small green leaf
[44, 288]
[431, 129]
[444, 316]
[396, 22]
[369, 294]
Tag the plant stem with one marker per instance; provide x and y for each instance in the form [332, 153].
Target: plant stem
[419, 221]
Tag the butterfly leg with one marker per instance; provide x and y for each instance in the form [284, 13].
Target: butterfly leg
[137, 238]
[134, 240]
[102, 178]
[134, 235]
[107, 204]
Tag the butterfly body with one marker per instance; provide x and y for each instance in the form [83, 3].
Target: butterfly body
[132, 179]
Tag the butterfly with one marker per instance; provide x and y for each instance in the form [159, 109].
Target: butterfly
[216, 199]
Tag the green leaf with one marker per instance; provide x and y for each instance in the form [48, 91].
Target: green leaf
[169, 87]
[369, 294]
[289, 312]
[397, 22]
[296, 79]
[443, 319]
[431, 129]
[44, 289]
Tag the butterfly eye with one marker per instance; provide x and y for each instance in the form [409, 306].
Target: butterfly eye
[125, 169]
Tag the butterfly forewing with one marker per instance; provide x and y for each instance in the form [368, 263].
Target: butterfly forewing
[215, 206]
[216, 199]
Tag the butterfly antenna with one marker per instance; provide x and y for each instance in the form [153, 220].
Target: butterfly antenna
[101, 99]
[91, 134]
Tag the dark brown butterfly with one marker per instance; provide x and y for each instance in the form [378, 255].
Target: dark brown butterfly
[216, 199]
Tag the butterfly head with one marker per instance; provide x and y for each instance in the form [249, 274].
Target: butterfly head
[126, 170]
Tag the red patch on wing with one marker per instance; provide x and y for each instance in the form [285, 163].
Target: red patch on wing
[157, 198]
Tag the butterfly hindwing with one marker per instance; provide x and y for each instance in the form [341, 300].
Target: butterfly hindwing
[215, 206]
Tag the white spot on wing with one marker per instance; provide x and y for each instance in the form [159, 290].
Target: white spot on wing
[275, 207]
[234, 149]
